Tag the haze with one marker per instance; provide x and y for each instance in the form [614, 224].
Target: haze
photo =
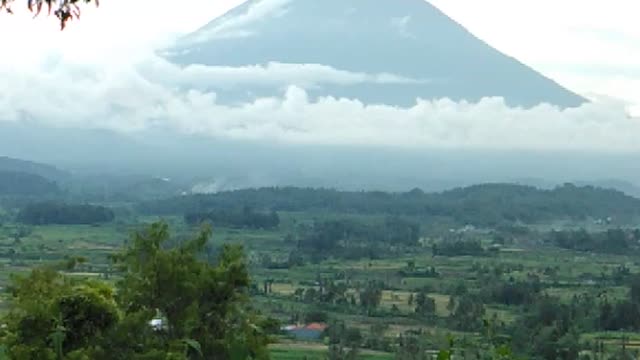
[103, 84]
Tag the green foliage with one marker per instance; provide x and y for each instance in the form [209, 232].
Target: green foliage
[425, 306]
[413, 347]
[468, 313]
[344, 342]
[203, 307]
[512, 292]
[52, 316]
[458, 248]
[612, 241]
[480, 205]
[65, 214]
[371, 296]
[200, 301]
[247, 218]
[354, 239]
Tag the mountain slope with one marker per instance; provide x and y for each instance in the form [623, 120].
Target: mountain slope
[422, 52]
[26, 184]
[11, 165]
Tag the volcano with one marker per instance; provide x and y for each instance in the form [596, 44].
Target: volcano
[378, 51]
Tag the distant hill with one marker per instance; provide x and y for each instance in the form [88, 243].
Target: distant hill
[378, 51]
[189, 158]
[480, 205]
[8, 164]
[20, 184]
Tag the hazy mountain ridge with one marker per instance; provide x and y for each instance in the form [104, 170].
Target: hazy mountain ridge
[203, 161]
[26, 184]
[11, 165]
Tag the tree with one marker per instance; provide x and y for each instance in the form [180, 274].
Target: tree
[203, 304]
[634, 292]
[344, 342]
[411, 265]
[64, 10]
[468, 313]
[202, 308]
[412, 346]
[20, 232]
[52, 316]
[371, 296]
[426, 306]
[49, 212]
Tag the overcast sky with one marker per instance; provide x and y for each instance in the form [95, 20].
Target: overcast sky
[591, 47]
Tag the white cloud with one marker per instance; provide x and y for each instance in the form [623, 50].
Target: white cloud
[127, 99]
[270, 75]
[85, 78]
[401, 25]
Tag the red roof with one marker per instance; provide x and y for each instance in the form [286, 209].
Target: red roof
[316, 326]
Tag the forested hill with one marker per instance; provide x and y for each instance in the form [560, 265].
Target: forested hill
[25, 184]
[481, 205]
[8, 164]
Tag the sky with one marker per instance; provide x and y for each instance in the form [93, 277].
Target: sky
[591, 47]
[101, 72]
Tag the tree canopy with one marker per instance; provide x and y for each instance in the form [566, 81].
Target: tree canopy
[486, 205]
[51, 212]
[169, 303]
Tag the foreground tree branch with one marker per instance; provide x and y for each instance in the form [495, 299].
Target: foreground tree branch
[64, 10]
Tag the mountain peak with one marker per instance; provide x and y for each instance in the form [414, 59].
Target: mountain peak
[408, 39]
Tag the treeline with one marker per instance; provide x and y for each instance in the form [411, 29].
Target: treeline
[245, 218]
[480, 205]
[613, 241]
[47, 213]
[354, 239]
[24, 184]
[458, 248]
[550, 328]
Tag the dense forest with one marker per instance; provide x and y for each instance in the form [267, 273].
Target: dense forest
[480, 205]
[611, 241]
[64, 214]
[245, 218]
[351, 239]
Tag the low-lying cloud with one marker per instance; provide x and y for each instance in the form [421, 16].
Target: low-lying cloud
[156, 94]
[271, 75]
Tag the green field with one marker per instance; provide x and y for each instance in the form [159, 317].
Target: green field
[289, 293]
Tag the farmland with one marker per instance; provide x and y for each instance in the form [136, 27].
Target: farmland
[442, 282]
